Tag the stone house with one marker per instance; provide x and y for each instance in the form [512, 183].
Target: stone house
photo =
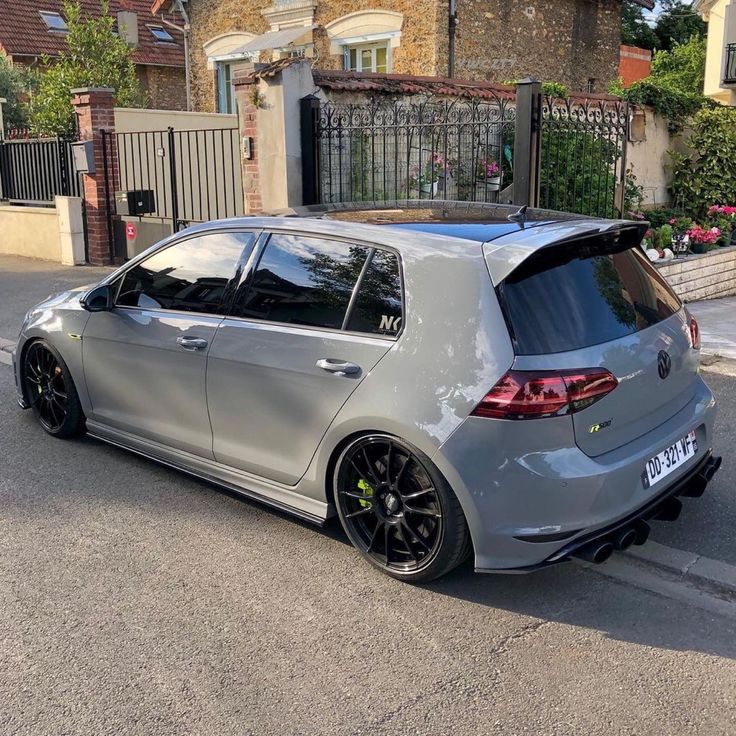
[32, 29]
[575, 42]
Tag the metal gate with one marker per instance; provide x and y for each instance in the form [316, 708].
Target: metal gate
[564, 154]
[194, 175]
[583, 155]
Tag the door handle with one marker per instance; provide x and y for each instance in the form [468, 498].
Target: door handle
[191, 343]
[339, 367]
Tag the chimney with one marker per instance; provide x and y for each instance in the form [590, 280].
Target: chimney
[128, 27]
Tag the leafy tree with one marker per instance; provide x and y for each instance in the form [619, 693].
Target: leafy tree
[677, 24]
[682, 67]
[15, 83]
[95, 57]
[635, 31]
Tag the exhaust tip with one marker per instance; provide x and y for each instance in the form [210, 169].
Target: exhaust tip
[595, 552]
[642, 530]
[625, 538]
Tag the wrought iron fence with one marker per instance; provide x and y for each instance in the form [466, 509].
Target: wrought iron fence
[583, 155]
[34, 171]
[465, 150]
[459, 150]
[194, 174]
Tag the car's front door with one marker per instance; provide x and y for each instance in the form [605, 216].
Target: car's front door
[310, 320]
[145, 361]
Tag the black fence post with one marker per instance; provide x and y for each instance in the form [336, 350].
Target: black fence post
[527, 142]
[174, 187]
[309, 107]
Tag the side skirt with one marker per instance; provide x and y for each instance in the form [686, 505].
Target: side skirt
[228, 478]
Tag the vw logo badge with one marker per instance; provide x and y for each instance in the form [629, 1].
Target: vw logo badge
[664, 364]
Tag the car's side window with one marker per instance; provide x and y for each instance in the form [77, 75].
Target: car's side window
[302, 280]
[189, 276]
[377, 308]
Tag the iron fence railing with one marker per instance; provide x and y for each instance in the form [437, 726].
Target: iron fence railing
[431, 149]
[35, 170]
[583, 155]
[729, 73]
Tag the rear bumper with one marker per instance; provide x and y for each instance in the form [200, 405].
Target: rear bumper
[692, 484]
[532, 498]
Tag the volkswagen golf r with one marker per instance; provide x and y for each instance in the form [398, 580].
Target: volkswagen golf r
[445, 379]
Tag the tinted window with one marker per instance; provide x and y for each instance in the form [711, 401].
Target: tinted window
[190, 276]
[377, 308]
[304, 281]
[560, 301]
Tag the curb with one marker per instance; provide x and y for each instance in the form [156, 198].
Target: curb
[692, 567]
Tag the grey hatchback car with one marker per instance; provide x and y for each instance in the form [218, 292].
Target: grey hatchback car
[446, 379]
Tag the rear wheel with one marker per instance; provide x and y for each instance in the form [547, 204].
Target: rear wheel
[398, 510]
[51, 391]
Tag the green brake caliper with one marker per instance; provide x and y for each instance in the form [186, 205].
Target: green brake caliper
[366, 490]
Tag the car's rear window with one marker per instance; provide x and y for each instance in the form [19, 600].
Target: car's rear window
[574, 296]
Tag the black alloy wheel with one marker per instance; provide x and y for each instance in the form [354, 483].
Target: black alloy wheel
[51, 392]
[398, 510]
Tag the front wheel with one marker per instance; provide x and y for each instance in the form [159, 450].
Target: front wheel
[398, 510]
[51, 391]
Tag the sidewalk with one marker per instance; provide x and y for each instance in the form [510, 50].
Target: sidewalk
[717, 321]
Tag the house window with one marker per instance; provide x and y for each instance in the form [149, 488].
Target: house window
[591, 86]
[161, 34]
[225, 89]
[54, 22]
[369, 57]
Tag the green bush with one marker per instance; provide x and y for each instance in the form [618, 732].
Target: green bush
[577, 172]
[706, 175]
[15, 84]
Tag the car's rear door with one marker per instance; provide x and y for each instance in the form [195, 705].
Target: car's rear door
[145, 361]
[594, 302]
[312, 317]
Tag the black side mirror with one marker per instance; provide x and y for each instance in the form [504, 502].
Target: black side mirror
[98, 300]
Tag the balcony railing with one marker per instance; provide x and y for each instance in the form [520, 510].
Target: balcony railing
[729, 75]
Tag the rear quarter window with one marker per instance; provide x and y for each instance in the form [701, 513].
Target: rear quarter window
[567, 298]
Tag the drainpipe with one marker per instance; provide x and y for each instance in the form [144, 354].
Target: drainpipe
[187, 63]
[452, 25]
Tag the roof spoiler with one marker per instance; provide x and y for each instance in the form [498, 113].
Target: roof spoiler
[505, 254]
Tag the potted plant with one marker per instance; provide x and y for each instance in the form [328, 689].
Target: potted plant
[724, 218]
[489, 173]
[703, 239]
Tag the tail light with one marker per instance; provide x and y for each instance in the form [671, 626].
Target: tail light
[537, 394]
[694, 330]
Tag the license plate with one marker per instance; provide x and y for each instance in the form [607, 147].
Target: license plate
[671, 458]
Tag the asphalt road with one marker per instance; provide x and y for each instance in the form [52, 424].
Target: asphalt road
[135, 600]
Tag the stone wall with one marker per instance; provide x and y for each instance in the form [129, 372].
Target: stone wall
[707, 276]
[567, 41]
[165, 86]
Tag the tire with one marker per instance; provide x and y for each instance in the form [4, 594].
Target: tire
[397, 509]
[51, 392]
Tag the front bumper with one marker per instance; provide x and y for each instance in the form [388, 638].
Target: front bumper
[529, 493]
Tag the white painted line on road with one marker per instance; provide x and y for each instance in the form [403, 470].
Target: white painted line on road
[6, 344]
[5, 348]
[5, 358]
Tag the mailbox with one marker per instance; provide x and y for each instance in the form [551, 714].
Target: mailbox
[135, 202]
[83, 157]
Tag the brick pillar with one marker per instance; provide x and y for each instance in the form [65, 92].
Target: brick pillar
[246, 93]
[95, 113]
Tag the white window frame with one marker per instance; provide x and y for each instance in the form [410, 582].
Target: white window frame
[224, 87]
[373, 46]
